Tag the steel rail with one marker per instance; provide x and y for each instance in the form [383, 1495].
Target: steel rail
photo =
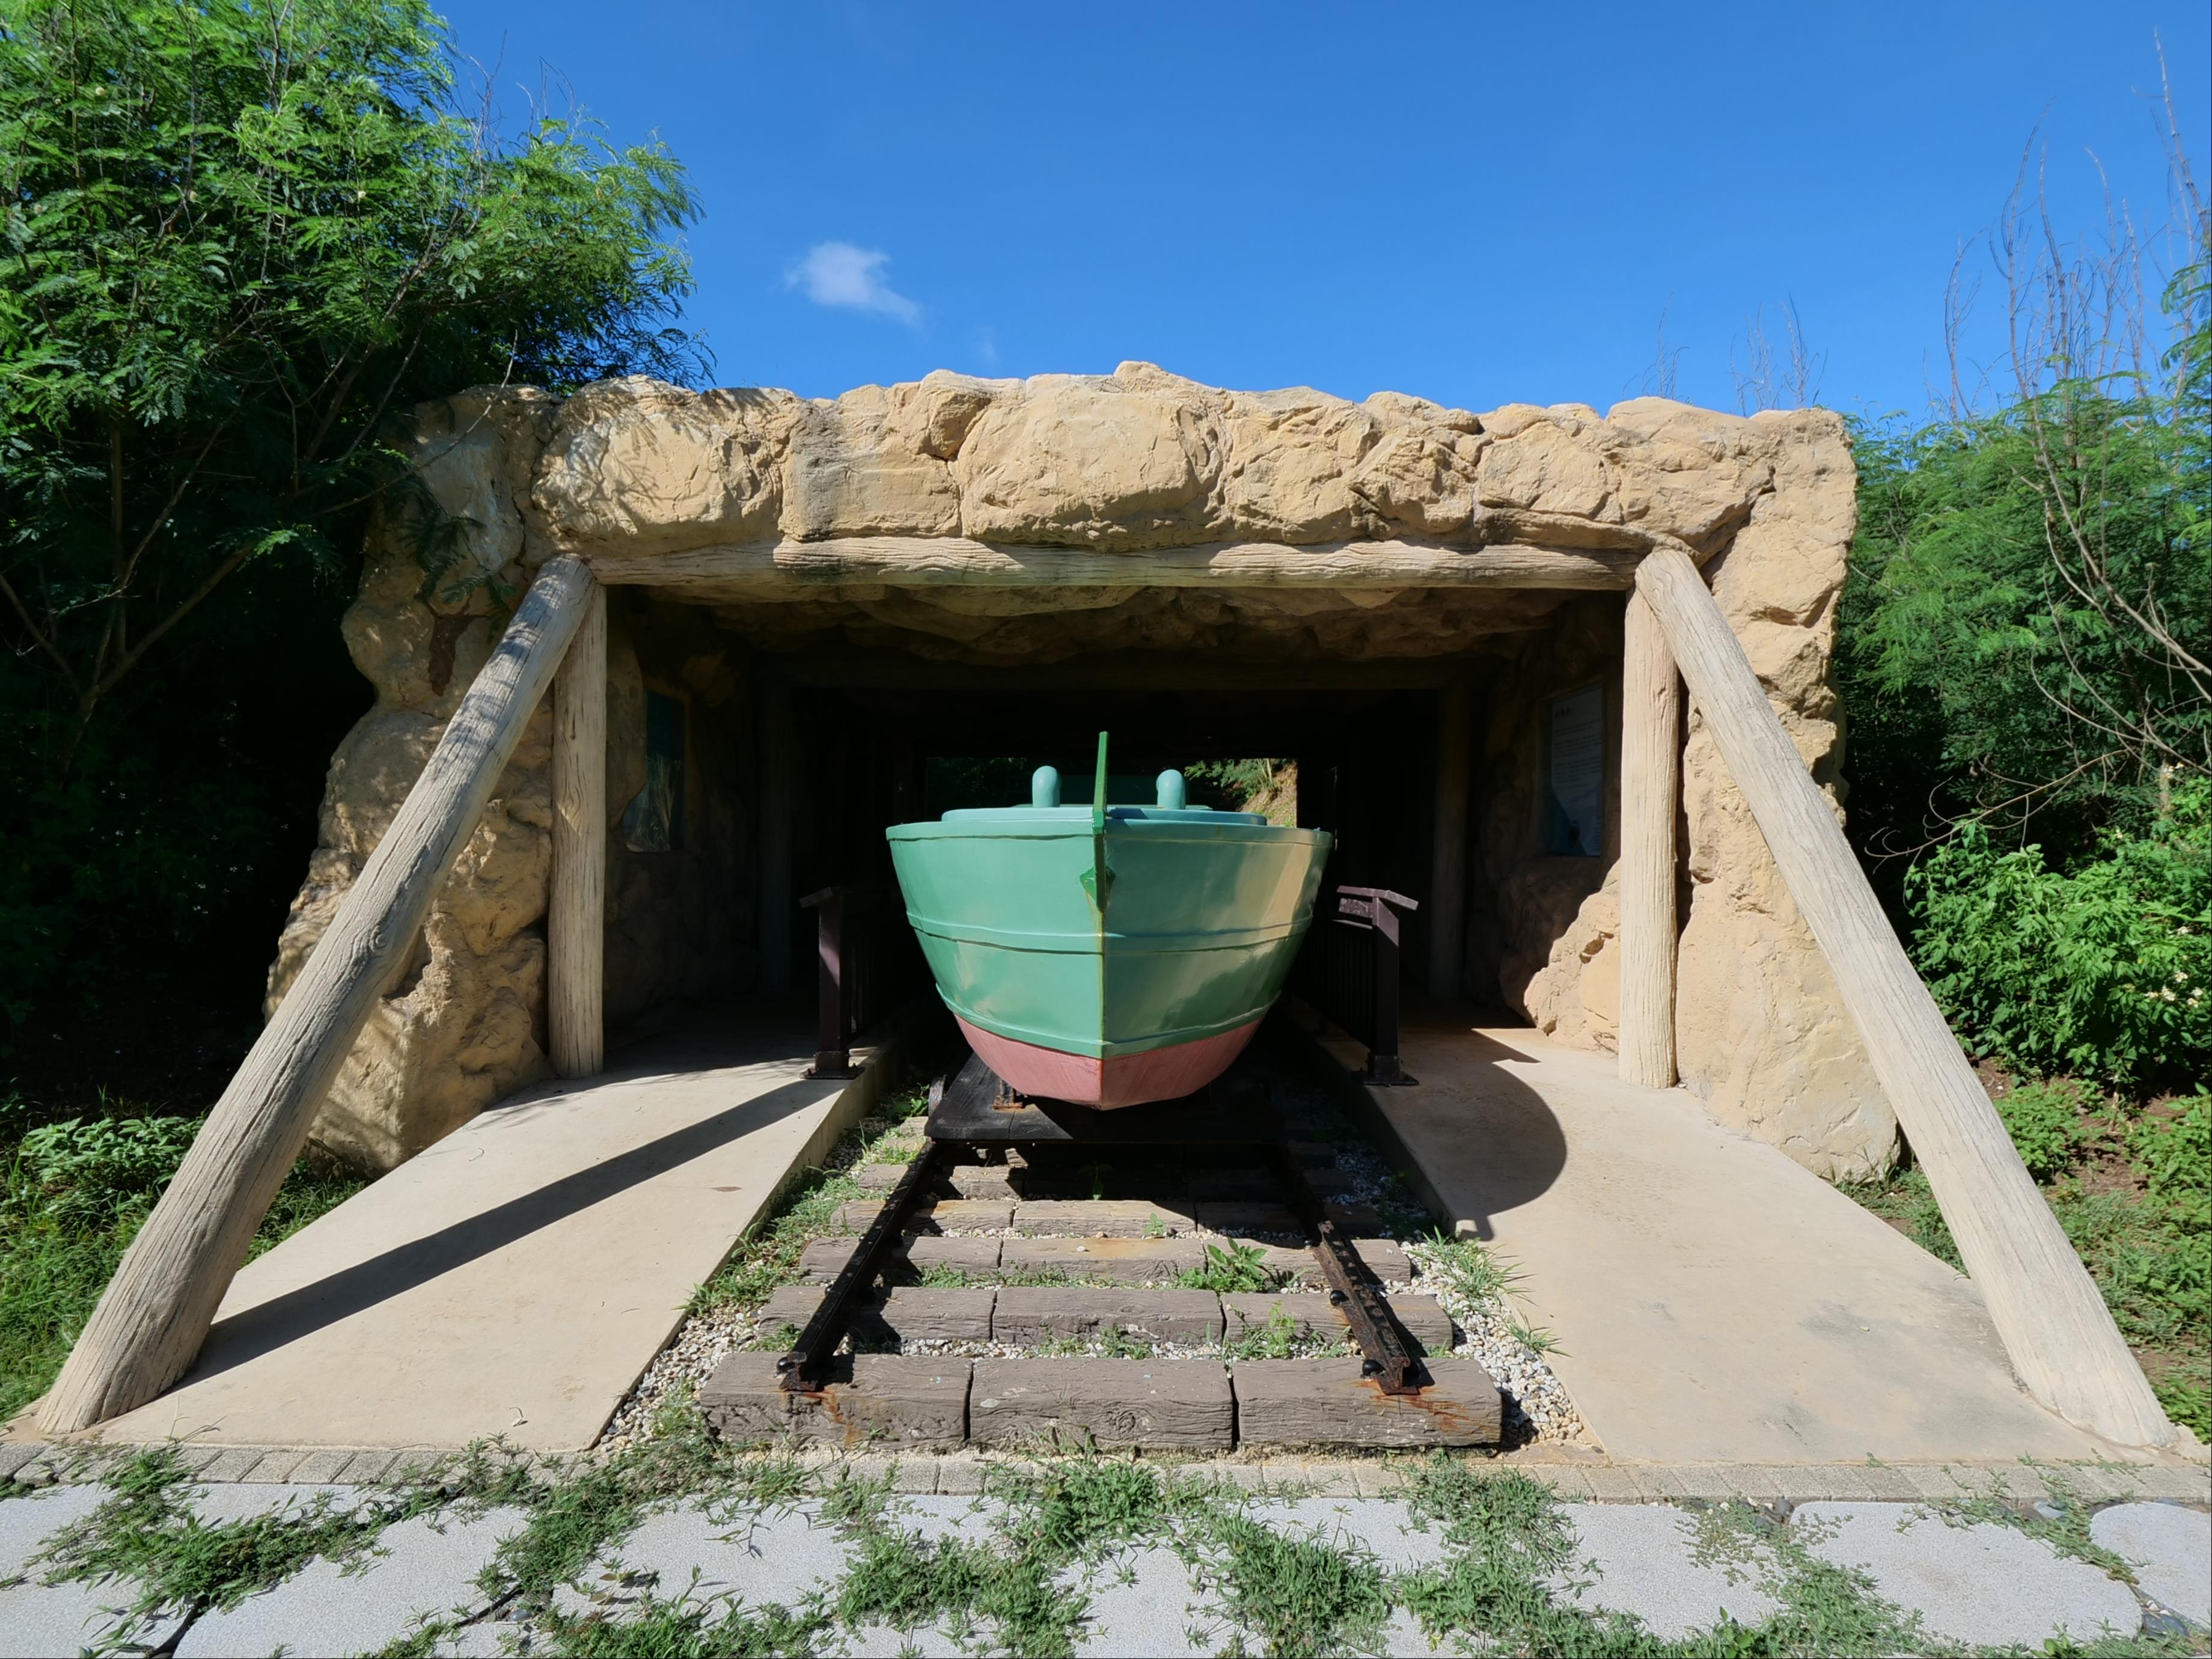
[806, 1369]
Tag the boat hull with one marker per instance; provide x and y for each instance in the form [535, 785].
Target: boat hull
[1149, 996]
[1107, 1080]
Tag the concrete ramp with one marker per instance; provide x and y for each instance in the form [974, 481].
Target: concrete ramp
[1713, 1300]
[516, 1277]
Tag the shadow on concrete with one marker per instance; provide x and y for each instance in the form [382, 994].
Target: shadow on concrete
[1522, 1146]
[297, 1314]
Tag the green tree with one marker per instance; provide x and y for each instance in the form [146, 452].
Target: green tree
[2025, 635]
[241, 241]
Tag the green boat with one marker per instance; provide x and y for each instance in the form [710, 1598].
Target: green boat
[1108, 955]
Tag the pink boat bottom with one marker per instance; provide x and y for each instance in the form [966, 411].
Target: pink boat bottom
[1123, 1080]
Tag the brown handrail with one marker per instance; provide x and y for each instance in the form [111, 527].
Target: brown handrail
[1351, 973]
[857, 969]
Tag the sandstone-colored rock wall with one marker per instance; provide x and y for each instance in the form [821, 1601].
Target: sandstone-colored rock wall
[1123, 464]
[1761, 1037]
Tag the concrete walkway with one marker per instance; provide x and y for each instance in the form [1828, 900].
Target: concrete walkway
[516, 1277]
[1979, 1581]
[1713, 1300]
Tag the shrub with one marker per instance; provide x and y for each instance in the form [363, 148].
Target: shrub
[2101, 972]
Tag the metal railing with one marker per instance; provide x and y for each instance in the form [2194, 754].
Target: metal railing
[1348, 969]
[867, 965]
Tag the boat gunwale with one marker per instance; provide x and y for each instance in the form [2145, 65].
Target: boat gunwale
[1153, 830]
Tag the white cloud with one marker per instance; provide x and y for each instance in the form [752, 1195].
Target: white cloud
[839, 274]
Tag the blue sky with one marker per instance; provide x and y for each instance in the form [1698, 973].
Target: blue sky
[1473, 203]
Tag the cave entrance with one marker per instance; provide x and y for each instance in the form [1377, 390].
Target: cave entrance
[1460, 746]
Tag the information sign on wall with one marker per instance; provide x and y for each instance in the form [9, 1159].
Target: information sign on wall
[1574, 762]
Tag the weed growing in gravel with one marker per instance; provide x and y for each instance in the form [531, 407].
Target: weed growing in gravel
[1537, 1339]
[1281, 1338]
[1238, 1267]
[1469, 1270]
[1111, 1343]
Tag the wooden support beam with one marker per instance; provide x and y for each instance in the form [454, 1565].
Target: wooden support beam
[156, 1309]
[766, 568]
[1447, 906]
[575, 922]
[1650, 797]
[2054, 1326]
[778, 781]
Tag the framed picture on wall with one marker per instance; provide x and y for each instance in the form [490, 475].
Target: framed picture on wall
[1574, 774]
[653, 821]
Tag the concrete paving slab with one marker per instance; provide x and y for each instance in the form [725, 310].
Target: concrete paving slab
[1643, 1559]
[940, 1516]
[38, 1620]
[1402, 1638]
[1382, 1526]
[1714, 1301]
[427, 1568]
[882, 1641]
[2170, 1549]
[1985, 1584]
[442, 1303]
[783, 1554]
[244, 1500]
[1143, 1606]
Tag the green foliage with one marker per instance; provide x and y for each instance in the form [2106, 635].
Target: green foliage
[80, 1168]
[2174, 1152]
[1300, 1594]
[2148, 1251]
[1470, 1271]
[1907, 1202]
[692, 1626]
[1237, 1266]
[146, 1534]
[2101, 972]
[1279, 1338]
[2044, 1120]
[72, 1196]
[240, 243]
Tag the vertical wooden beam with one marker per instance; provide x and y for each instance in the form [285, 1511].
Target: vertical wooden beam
[155, 1311]
[1651, 792]
[575, 923]
[2054, 1324]
[778, 767]
[1447, 905]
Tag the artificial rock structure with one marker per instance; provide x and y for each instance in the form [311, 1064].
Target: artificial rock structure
[747, 629]
[978, 526]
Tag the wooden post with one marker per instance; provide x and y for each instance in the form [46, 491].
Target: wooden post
[1650, 793]
[776, 769]
[2054, 1324]
[1448, 859]
[155, 1311]
[575, 922]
